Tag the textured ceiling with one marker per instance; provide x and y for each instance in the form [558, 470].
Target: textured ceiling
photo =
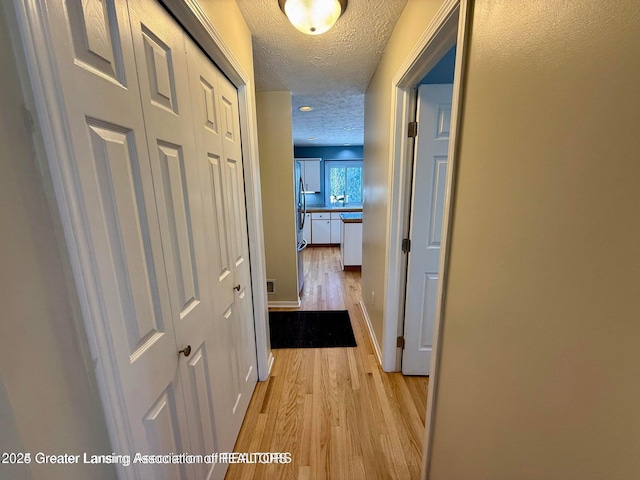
[329, 72]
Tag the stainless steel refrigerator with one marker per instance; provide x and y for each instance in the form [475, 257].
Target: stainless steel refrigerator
[300, 219]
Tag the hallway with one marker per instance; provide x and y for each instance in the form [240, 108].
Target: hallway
[337, 413]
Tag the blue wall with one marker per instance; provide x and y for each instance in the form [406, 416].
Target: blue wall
[326, 153]
[329, 153]
[443, 71]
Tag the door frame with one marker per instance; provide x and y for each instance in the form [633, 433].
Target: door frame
[32, 38]
[450, 26]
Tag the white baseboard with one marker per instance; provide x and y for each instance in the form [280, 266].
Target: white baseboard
[271, 359]
[285, 304]
[372, 334]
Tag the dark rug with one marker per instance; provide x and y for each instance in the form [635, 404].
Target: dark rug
[311, 329]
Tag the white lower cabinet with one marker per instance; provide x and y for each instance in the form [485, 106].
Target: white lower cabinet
[336, 227]
[323, 228]
[320, 228]
[351, 244]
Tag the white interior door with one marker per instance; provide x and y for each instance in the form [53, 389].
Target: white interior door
[217, 130]
[166, 101]
[162, 206]
[427, 203]
[243, 325]
[131, 298]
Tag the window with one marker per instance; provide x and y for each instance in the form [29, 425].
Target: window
[343, 182]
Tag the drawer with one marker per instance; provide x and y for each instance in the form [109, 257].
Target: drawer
[335, 215]
[320, 215]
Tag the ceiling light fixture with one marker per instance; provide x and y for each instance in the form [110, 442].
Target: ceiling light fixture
[305, 108]
[313, 17]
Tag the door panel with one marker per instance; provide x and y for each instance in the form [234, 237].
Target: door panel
[166, 102]
[217, 129]
[128, 291]
[427, 205]
[96, 38]
[217, 220]
[429, 292]
[203, 426]
[161, 429]
[161, 190]
[217, 214]
[244, 334]
[181, 235]
[121, 205]
[160, 74]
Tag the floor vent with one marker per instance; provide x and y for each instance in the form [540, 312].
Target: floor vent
[271, 286]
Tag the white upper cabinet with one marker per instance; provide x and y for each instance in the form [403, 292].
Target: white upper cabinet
[310, 173]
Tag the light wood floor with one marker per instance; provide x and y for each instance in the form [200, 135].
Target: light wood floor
[334, 409]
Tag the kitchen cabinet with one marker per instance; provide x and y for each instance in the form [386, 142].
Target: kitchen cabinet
[336, 227]
[324, 227]
[351, 244]
[310, 173]
[320, 228]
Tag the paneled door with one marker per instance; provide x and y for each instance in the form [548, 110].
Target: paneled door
[158, 181]
[160, 49]
[427, 203]
[217, 129]
[133, 304]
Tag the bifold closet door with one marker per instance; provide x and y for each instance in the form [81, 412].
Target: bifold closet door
[157, 177]
[131, 303]
[217, 131]
[161, 59]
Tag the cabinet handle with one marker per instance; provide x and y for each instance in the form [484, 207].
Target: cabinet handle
[237, 287]
[186, 351]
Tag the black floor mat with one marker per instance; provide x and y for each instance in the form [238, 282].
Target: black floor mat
[311, 329]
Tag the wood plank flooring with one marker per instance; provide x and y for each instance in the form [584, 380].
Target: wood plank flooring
[338, 414]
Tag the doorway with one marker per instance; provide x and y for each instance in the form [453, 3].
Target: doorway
[449, 28]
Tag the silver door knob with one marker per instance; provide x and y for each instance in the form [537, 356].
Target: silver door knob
[186, 351]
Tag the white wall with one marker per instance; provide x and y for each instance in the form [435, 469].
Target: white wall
[275, 140]
[541, 340]
[48, 401]
[415, 18]
[225, 16]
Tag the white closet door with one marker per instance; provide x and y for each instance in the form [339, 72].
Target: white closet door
[243, 327]
[217, 129]
[127, 288]
[158, 173]
[166, 101]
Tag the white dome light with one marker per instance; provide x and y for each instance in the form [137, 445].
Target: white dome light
[313, 17]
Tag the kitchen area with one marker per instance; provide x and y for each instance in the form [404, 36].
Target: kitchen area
[329, 201]
[311, 199]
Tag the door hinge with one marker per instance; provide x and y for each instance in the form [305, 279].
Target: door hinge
[406, 245]
[400, 342]
[413, 129]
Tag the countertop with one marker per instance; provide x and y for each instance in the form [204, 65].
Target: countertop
[351, 217]
[324, 208]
